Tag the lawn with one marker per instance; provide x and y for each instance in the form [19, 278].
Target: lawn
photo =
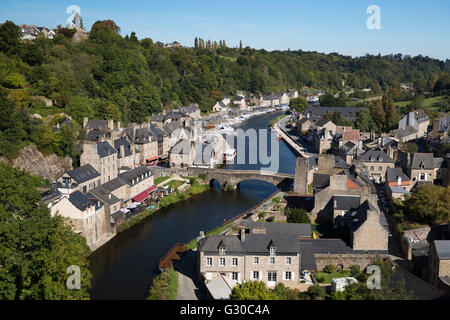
[323, 277]
[430, 104]
[158, 180]
[174, 184]
[193, 243]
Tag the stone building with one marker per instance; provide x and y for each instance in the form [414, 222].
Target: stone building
[439, 265]
[274, 256]
[417, 120]
[182, 155]
[376, 163]
[82, 179]
[103, 157]
[86, 215]
[425, 168]
[398, 184]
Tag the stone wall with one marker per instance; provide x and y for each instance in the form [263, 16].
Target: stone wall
[346, 260]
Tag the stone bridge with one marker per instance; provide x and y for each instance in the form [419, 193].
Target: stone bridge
[235, 177]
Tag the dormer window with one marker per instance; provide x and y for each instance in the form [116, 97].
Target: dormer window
[222, 251]
[422, 166]
[272, 250]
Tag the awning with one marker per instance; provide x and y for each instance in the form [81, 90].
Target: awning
[141, 196]
[153, 158]
[144, 194]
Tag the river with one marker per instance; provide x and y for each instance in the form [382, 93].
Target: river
[124, 267]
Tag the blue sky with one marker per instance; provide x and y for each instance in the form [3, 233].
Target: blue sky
[408, 27]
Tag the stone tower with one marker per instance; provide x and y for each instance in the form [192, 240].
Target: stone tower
[301, 176]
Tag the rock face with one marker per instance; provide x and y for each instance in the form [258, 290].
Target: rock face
[31, 160]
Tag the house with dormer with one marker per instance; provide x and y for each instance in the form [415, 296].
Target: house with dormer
[376, 163]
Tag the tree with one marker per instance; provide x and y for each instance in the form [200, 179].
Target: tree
[240, 45]
[252, 290]
[36, 248]
[298, 215]
[196, 43]
[338, 119]
[428, 204]
[299, 104]
[10, 38]
[364, 121]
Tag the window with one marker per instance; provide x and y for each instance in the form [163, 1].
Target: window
[423, 177]
[380, 168]
[256, 260]
[209, 262]
[255, 274]
[222, 262]
[222, 251]
[272, 250]
[272, 260]
[288, 275]
[84, 189]
[372, 168]
[288, 260]
[235, 262]
[272, 276]
[235, 276]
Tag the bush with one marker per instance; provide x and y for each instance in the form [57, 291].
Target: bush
[271, 219]
[252, 290]
[298, 215]
[355, 270]
[164, 286]
[330, 269]
[276, 200]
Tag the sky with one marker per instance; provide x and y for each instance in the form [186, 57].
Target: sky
[409, 27]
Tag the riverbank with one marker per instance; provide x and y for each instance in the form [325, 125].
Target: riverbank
[175, 197]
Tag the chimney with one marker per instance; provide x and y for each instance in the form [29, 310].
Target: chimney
[110, 125]
[85, 122]
[122, 151]
[335, 204]
[399, 180]
[202, 234]
[242, 235]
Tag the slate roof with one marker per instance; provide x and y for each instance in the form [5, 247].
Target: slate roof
[84, 173]
[127, 147]
[81, 201]
[349, 113]
[327, 246]
[105, 196]
[211, 244]
[131, 175]
[376, 156]
[182, 147]
[344, 202]
[340, 163]
[442, 249]
[112, 185]
[394, 173]
[321, 180]
[99, 125]
[158, 118]
[298, 229]
[105, 149]
[322, 122]
[143, 135]
[406, 131]
[423, 159]
[260, 243]
[415, 286]
[96, 135]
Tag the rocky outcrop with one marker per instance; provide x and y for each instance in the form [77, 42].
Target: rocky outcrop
[31, 160]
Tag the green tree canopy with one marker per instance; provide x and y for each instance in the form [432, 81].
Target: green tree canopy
[36, 248]
[252, 290]
[428, 204]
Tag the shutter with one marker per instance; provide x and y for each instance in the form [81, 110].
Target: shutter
[239, 277]
[260, 275]
[283, 277]
[251, 275]
[292, 276]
